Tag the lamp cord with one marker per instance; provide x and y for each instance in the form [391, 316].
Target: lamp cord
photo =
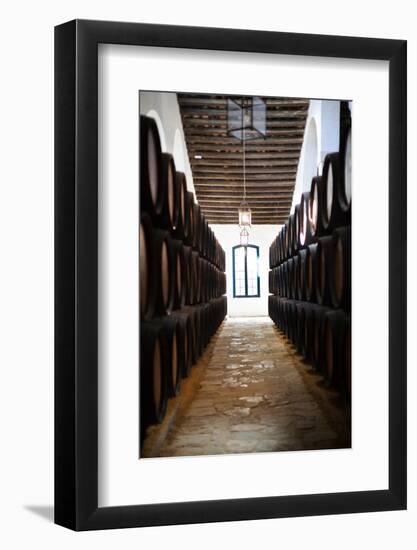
[244, 170]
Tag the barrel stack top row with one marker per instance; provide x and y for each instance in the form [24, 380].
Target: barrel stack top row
[166, 199]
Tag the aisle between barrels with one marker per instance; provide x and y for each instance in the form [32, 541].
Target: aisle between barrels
[255, 394]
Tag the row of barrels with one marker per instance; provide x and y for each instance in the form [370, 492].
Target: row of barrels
[172, 274]
[320, 334]
[319, 273]
[182, 278]
[165, 198]
[321, 210]
[170, 346]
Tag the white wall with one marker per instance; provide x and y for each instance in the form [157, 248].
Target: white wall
[321, 136]
[164, 108]
[26, 318]
[262, 236]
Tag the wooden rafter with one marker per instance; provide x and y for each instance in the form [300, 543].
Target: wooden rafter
[216, 158]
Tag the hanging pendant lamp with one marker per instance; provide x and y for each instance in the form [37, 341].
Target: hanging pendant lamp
[244, 237]
[246, 120]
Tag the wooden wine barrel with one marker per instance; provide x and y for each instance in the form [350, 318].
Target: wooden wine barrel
[163, 270]
[197, 228]
[296, 229]
[334, 349]
[294, 278]
[168, 218]
[196, 344]
[305, 235]
[203, 280]
[301, 274]
[332, 214]
[280, 313]
[318, 351]
[279, 248]
[274, 280]
[153, 369]
[346, 187]
[290, 278]
[180, 192]
[188, 239]
[147, 287]
[286, 279]
[179, 274]
[222, 260]
[275, 306]
[272, 255]
[309, 331]
[278, 281]
[175, 353]
[281, 281]
[290, 247]
[189, 209]
[292, 320]
[281, 245]
[348, 352]
[190, 280]
[223, 283]
[152, 191]
[210, 241]
[323, 271]
[185, 342]
[299, 340]
[311, 272]
[272, 307]
[316, 207]
[195, 275]
[340, 269]
[204, 237]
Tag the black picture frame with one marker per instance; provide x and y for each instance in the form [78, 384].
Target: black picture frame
[76, 270]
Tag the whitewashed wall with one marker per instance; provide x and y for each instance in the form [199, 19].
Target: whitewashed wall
[164, 108]
[262, 236]
[321, 136]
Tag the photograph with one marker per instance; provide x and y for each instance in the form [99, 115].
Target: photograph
[245, 273]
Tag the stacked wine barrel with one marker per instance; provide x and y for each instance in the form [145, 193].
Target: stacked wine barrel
[310, 276]
[182, 278]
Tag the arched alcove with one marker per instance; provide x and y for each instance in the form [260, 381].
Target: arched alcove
[153, 114]
[311, 154]
[178, 151]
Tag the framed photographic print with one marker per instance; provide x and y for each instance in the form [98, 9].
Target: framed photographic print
[230, 275]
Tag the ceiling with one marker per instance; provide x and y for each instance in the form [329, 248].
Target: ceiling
[271, 163]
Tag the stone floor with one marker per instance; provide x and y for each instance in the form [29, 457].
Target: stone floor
[250, 392]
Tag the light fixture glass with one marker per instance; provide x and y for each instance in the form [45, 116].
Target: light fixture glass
[244, 237]
[246, 118]
[245, 215]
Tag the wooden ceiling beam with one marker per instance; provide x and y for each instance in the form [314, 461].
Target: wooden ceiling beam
[231, 187]
[270, 143]
[231, 171]
[208, 164]
[272, 202]
[254, 159]
[275, 219]
[221, 101]
[254, 208]
[219, 116]
[218, 197]
[252, 179]
[292, 119]
[222, 133]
